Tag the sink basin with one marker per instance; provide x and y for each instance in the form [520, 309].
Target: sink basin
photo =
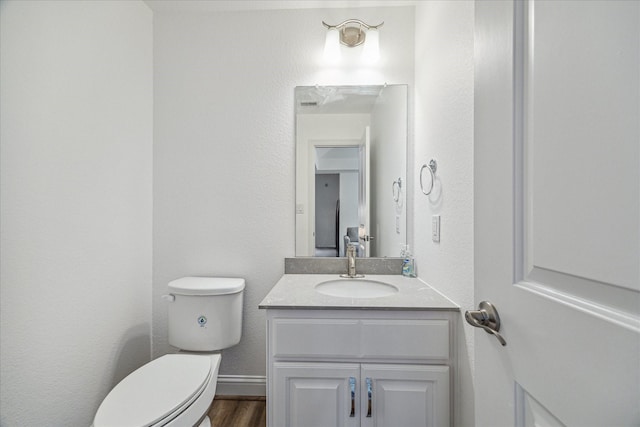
[356, 288]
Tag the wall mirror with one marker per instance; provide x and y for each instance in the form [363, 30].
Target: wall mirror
[351, 152]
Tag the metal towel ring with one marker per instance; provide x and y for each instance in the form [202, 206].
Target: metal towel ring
[396, 184]
[433, 166]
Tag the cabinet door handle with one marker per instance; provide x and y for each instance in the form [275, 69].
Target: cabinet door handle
[352, 385]
[369, 393]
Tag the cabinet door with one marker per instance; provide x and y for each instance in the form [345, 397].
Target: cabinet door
[315, 395]
[405, 395]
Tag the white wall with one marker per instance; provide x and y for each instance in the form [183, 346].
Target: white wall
[76, 141]
[224, 145]
[444, 131]
[389, 161]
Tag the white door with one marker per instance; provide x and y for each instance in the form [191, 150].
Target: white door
[404, 395]
[557, 212]
[364, 192]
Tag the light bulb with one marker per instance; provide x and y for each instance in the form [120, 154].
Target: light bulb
[332, 46]
[371, 51]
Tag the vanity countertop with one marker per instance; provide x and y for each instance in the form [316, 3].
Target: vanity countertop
[297, 291]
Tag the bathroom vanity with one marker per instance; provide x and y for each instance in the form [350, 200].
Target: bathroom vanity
[377, 351]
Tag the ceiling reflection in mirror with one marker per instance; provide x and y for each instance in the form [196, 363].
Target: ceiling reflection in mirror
[351, 151]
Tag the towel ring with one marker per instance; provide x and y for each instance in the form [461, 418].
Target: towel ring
[432, 166]
[396, 184]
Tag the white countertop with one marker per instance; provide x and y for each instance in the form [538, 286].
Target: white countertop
[297, 291]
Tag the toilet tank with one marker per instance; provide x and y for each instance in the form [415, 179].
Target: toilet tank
[205, 313]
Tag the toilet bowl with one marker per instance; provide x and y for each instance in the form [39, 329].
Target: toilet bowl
[176, 390]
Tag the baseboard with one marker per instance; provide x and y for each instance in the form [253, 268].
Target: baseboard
[241, 385]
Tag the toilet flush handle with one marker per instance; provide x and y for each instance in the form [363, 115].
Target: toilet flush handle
[169, 297]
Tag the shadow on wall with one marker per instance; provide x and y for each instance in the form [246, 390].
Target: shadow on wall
[133, 352]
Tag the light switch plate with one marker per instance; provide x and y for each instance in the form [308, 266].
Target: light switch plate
[435, 228]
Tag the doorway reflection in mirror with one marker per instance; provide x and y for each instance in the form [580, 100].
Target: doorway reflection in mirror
[350, 148]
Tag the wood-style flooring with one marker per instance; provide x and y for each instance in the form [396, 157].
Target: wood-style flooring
[238, 411]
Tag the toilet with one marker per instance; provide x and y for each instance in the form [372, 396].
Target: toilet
[205, 316]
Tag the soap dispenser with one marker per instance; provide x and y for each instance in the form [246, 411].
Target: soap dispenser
[408, 263]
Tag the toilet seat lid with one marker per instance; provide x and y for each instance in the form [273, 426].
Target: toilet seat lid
[155, 391]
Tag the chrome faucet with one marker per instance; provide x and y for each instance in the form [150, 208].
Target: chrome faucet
[351, 262]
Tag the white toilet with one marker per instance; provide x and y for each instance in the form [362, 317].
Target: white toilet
[205, 315]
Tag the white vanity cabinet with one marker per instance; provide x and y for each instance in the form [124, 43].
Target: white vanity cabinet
[382, 368]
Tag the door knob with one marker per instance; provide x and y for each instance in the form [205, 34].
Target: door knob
[486, 317]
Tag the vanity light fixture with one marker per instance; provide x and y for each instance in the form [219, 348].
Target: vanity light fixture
[352, 33]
